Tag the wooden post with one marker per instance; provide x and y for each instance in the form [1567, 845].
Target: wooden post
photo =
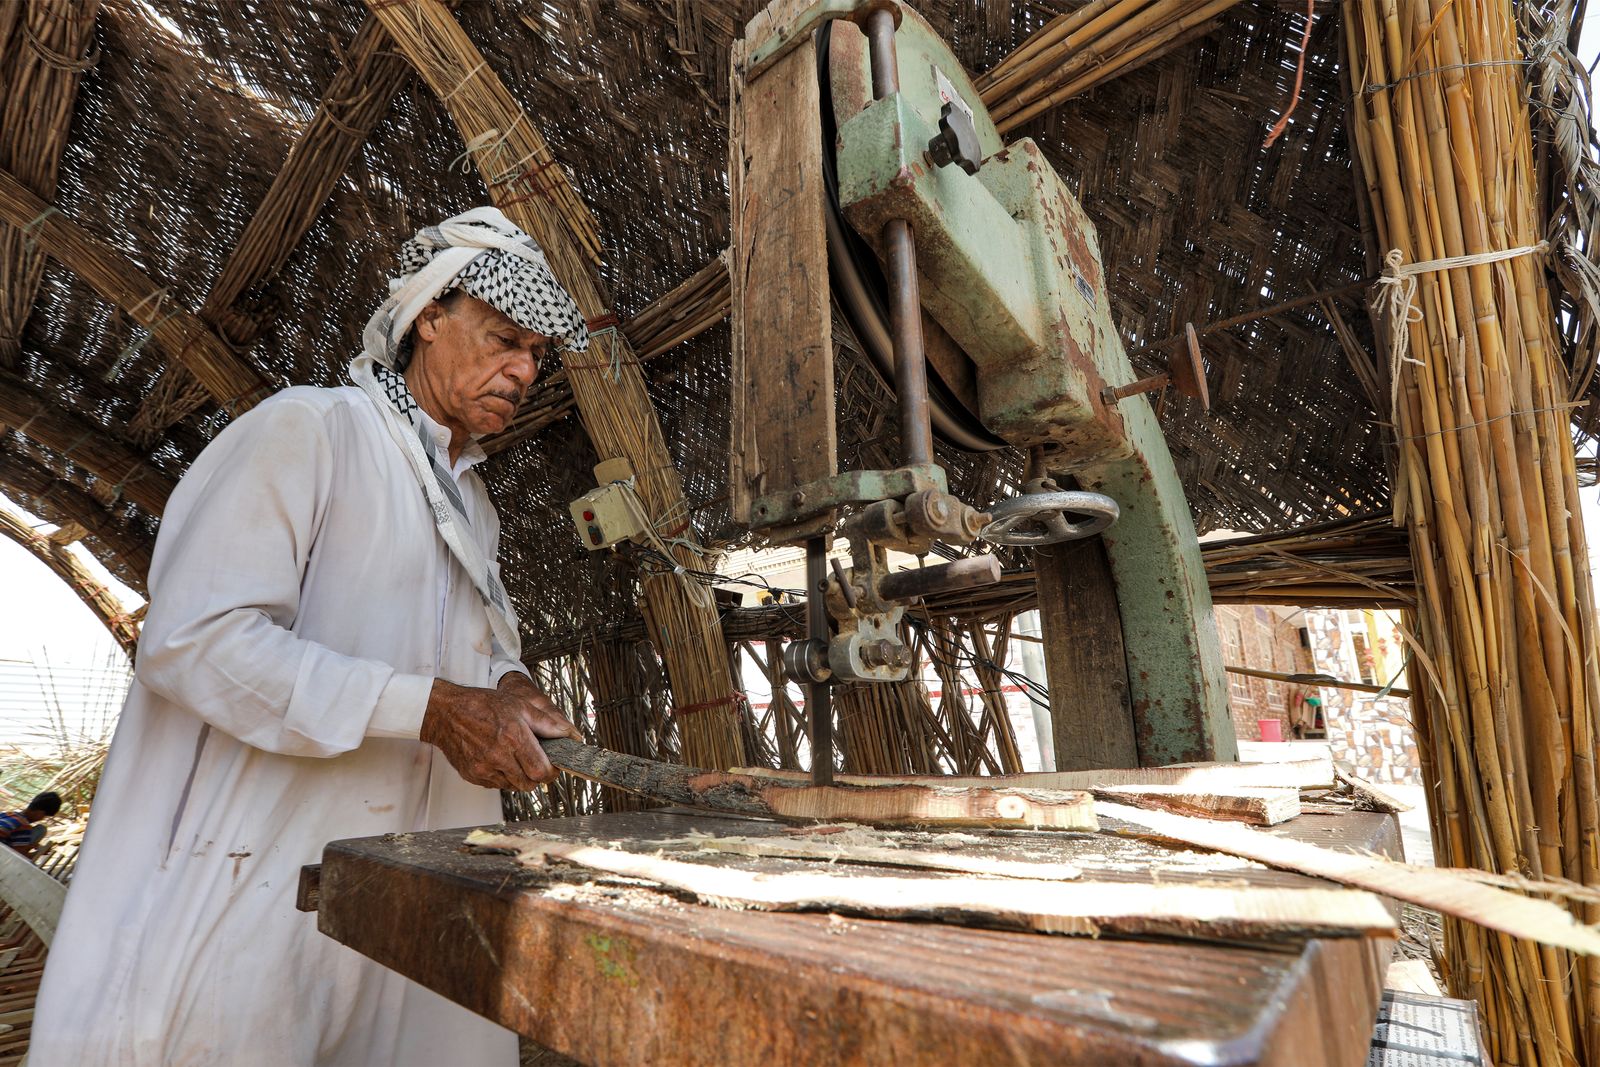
[1090, 710]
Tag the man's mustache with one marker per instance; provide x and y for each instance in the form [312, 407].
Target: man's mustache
[515, 397]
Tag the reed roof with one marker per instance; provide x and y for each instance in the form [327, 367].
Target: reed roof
[188, 109]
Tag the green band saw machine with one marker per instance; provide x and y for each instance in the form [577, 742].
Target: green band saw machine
[866, 177]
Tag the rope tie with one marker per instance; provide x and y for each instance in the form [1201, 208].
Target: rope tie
[58, 60]
[1394, 303]
[28, 241]
[133, 348]
[1371, 89]
[158, 295]
[462, 164]
[445, 99]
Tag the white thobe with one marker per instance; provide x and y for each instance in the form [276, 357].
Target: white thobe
[301, 605]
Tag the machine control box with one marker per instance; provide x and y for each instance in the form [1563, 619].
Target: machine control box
[606, 516]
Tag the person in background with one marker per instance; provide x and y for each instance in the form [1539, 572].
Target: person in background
[21, 829]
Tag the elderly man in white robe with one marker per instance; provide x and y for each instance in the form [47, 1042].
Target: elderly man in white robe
[329, 653]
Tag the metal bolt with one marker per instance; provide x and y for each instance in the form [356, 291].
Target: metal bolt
[938, 508]
[798, 498]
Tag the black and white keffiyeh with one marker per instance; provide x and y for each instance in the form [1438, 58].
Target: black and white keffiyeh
[484, 254]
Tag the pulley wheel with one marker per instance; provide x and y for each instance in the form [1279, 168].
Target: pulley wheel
[1035, 519]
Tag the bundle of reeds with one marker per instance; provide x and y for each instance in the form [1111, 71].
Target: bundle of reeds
[527, 182]
[44, 48]
[1087, 46]
[179, 332]
[1351, 563]
[1504, 632]
[51, 550]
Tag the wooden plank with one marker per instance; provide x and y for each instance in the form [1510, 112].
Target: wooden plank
[1294, 774]
[832, 851]
[783, 429]
[1445, 891]
[33, 895]
[642, 971]
[1084, 908]
[1259, 807]
[919, 804]
[1369, 797]
[1091, 712]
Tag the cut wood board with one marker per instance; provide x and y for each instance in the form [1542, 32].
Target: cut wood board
[1369, 797]
[1257, 806]
[875, 855]
[32, 894]
[1430, 887]
[1293, 774]
[1090, 908]
[928, 803]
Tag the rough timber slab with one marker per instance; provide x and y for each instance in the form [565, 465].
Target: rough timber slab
[613, 973]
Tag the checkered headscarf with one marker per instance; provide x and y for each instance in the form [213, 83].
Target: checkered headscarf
[484, 254]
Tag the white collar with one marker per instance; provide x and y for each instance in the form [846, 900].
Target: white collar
[471, 456]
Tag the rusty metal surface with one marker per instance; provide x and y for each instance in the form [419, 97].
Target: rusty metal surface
[618, 973]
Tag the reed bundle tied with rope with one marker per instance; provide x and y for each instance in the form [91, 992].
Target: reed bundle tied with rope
[1087, 46]
[46, 48]
[527, 182]
[1504, 675]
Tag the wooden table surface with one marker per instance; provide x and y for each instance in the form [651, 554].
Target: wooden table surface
[616, 972]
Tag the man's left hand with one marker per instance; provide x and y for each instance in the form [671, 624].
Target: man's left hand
[543, 716]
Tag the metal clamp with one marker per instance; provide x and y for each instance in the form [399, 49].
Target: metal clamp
[1035, 519]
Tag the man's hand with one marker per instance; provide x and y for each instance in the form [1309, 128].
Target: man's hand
[490, 736]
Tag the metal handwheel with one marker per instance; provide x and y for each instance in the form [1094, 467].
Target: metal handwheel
[1034, 519]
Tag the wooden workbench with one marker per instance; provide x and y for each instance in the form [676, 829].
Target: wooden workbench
[613, 972]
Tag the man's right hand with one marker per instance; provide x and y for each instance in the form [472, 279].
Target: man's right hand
[488, 735]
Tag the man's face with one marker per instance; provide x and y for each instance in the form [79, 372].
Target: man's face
[473, 364]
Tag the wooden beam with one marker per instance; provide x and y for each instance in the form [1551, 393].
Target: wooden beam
[180, 333]
[87, 445]
[39, 78]
[48, 495]
[782, 432]
[1084, 908]
[356, 100]
[1086, 665]
[84, 585]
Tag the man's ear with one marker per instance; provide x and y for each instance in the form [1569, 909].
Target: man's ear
[428, 321]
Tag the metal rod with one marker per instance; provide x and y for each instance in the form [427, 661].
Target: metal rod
[845, 587]
[885, 64]
[905, 327]
[946, 577]
[819, 695]
[1112, 394]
